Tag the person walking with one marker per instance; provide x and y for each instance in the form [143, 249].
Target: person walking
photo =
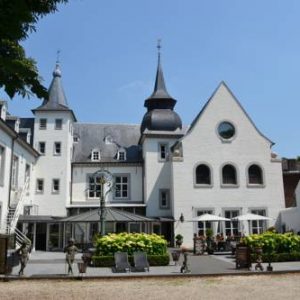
[70, 251]
[23, 253]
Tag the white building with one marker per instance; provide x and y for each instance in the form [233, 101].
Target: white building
[162, 172]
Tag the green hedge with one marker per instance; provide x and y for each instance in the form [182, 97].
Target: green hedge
[152, 244]
[278, 257]
[108, 261]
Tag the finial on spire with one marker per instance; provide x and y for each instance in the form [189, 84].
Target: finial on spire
[57, 72]
[57, 56]
[158, 49]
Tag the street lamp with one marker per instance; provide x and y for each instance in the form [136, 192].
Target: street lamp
[105, 179]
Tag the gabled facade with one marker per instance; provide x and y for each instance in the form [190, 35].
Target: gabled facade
[163, 173]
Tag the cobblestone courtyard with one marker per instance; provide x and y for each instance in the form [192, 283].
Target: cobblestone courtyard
[229, 287]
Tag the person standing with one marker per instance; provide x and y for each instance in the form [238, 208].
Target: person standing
[23, 253]
[70, 251]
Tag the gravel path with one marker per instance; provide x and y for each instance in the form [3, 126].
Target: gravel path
[253, 287]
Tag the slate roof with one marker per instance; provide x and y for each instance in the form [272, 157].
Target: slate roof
[28, 123]
[112, 215]
[108, 138]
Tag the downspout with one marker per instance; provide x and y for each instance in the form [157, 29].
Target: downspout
[10, 169]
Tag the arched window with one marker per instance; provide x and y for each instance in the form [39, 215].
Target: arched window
[203, 174]
[255, 175]
[229, 175]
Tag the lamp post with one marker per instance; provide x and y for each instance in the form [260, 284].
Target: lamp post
[105, 179]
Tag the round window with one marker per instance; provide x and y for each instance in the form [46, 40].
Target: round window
[226, 130]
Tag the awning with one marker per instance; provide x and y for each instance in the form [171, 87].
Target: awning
[112, 215]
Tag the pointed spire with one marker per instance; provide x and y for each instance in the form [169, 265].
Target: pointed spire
[57, 98]
[160, 90]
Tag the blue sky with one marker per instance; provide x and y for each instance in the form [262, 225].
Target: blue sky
[109, 56]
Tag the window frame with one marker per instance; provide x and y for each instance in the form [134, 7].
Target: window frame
[41, 125]
[229, 185]
[128, 183]
[2, 164]
[37, 190]
[55, 153]
[39, 147]
[255, 185]
[55, 191]
[57, 121]
[168, 202]
[15, 172]
[261, 225]
[97, 193]
[94, 152]
[226, 140]
[121, 152]
[203, 185]
[166, 151]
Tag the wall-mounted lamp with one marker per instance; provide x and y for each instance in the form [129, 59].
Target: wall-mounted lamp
[181, 218]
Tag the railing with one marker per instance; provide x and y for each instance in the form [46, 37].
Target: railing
[14, 213]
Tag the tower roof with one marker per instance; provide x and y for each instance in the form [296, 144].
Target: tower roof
[57, 100]
[160, 115]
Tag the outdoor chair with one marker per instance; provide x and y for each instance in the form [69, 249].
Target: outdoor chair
[121, 262]
[140, 261]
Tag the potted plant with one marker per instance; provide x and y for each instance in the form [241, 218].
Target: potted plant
[209, 241]
[179, 240]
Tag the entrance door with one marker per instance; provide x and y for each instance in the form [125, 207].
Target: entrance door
[41, 235]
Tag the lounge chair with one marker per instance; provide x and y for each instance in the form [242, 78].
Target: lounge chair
[121, 262]
[140, 261]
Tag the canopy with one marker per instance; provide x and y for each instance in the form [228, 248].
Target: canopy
[250, 217]
[208, 218]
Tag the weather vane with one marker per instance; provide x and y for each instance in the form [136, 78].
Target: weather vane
[57, 56]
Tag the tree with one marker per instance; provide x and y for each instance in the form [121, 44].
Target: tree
[18, 18]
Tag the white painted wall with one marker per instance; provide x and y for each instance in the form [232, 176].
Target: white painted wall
[80, 184]
[51, 166]
[157, 175]
[203, 144]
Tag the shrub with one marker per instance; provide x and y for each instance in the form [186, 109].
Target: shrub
[272, 242]
[152, 244]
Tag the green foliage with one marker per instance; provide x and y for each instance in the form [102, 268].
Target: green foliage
[108, 261]
[152, 244]
[179, 237]
[18, 73]
[209, 232]
[272, 242]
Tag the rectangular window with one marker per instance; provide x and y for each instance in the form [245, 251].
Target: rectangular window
[42, 148]
[122, 155]
[2, 164]
[258, 226]
[55, 186]
[203, 226]
[58, 124]
[164, 199]
[57, 148]
[15, 171]
[163, 152]
[40, 185]
[94, 189]
[231, 227]
[27, 175]
[121, 186]
[95, 155]
[43, 124]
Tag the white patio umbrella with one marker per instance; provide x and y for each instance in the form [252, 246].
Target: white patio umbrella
[250, 217]
[208, 218]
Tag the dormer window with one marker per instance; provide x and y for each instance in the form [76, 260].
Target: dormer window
[109, 140]
[95, 155]
[121, 155]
